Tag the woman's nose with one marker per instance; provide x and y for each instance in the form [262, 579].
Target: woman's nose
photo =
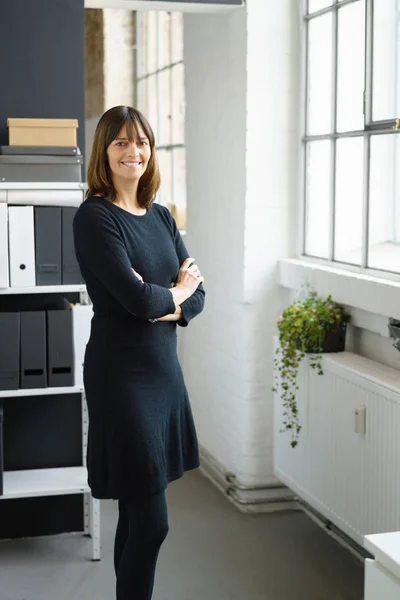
[132, 149]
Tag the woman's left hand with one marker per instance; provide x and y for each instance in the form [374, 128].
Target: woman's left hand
[137, 275]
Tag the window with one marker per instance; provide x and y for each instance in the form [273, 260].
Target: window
[161, 97]
[351, 133]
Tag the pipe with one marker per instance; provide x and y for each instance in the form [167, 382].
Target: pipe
[232, 486]
[232, 479]
[232, 493]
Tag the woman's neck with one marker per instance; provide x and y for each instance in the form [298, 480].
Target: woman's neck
[127, 197]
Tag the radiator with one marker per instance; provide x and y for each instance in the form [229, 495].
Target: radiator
[352, 479]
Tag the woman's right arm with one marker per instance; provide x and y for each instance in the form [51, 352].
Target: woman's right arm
[100, 249]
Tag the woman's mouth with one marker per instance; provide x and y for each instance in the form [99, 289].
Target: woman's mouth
[131, 164]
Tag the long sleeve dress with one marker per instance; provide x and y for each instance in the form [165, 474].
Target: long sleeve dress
[141, 428]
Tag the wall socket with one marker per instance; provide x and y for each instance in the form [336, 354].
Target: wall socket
[360, 421]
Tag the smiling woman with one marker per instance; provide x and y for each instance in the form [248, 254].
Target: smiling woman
[142, 284]
[123, 139]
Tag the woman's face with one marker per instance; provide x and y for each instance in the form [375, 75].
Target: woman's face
[129, 160]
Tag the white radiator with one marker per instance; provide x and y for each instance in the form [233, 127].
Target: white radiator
[353, 479]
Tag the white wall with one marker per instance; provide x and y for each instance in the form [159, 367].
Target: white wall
[270, 220]
[213, 351]
[241, 117]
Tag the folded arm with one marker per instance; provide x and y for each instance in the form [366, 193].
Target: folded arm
[100, 249]
[194, 305]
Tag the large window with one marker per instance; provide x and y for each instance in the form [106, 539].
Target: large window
[161, 97]
[351, 141]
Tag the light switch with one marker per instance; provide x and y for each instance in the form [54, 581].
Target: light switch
[360, 419]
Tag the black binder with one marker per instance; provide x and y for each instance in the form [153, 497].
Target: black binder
[33, 350]
[60, 351]
[9, 350]
[70, 269]
[48, 245]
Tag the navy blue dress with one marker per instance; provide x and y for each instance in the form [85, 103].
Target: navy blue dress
[141, 429]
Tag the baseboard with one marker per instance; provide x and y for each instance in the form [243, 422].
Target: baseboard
[275, 496]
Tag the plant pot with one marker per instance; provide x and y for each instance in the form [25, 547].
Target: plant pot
[394, 328]
[334, 340]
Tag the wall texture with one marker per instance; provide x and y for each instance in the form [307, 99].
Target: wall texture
[94, 62]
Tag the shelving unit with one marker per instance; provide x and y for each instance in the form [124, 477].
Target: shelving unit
[45, 482]
[56, 481]
[41, 185]
[49, 391]
[44, 289]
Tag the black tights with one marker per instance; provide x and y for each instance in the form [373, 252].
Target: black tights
[142, 528]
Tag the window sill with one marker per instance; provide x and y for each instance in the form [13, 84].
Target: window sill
[370, 299]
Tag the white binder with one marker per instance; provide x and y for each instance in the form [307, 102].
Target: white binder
[81, 322]
[4, 280]
[21, 233]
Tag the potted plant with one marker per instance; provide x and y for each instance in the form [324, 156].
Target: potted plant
[312, 326]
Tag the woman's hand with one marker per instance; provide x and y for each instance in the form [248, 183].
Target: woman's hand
[137, 275]
[176, 316]
[189, 276]
[189, 279]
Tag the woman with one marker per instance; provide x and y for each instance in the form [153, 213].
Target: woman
[142, 284]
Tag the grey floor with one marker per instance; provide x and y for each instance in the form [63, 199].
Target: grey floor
[213, 552]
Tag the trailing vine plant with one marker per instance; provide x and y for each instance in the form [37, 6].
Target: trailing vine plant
[303, 328]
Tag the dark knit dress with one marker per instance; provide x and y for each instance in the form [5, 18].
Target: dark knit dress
[141, 429]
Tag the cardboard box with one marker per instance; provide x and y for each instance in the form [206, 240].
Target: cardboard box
[42, 132]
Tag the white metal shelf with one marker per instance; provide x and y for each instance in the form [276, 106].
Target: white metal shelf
[49, 391]
[44, 289]
[42, 185]
[165, 5]
[55, 481]
[44, 482]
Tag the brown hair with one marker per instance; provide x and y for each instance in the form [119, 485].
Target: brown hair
[99, 176]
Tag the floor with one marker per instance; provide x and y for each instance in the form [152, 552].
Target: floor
[213, 552]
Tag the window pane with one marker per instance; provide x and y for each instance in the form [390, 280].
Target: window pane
[164, 195]
[318, 167]
[178, 207]
[141, 99]
[141, 29]
[319, 103]
[151, 41]
[349, 200]
[164, 102]
[178, 104]
[351, 59]
[386, 61]
[164, 40]
[177, 36]
[384, 204]
[152, 104]
[314, 5]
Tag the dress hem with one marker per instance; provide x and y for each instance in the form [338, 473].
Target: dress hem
[171, 478]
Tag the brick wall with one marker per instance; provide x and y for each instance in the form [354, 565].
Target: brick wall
[94, 62]
[241, 166]
[109, 64]
[119, 72]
